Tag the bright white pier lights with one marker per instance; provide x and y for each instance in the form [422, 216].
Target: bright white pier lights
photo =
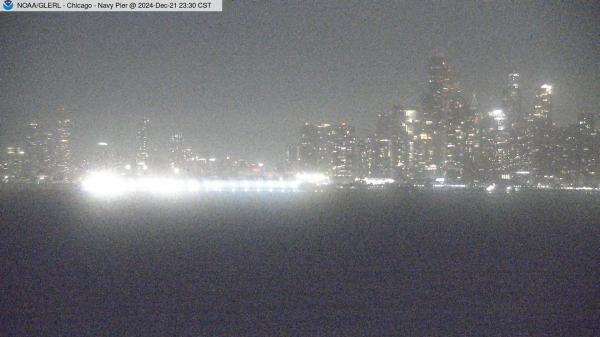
[108, 184]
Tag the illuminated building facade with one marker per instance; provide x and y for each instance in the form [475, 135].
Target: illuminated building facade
[484, 147]
[499, 138]
[38, 150]
[589, 150]
[516, 126]
[538, 134]
[176, 151]
[413, 158]
[13, 166]
[307, 151]
[327, 148]
[480, 143]
[344, 155]
[446, 124]
[512, 101]
[575, 159]
[433, 134]
[459, 129]
[143, 145]
[63, 162]
[388, 148]
[315, 148]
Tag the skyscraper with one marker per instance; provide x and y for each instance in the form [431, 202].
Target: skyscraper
[388, 147]
[542, 109]
[500, 139]
[142, 153]
[516, 127]
[588, 154]
[63, 161]
[329, 149]
[176, 151]
[538, 132]
[344, 153]
[433, 135]
[414, 153]
[14, 161]
[446, 123]
[512, 101]
[459, 126]
[307, 156]
[38, 151]
[315, 148]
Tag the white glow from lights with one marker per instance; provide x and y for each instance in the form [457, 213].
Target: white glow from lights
[378, 181]
[547, 87]
[491, 188]
[313, 178]
[449, 185]
[497, 114]
[582, 188]
[193, 185]
[108, 185]
[104, 184]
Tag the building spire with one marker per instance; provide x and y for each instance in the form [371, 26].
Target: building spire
[474, 102]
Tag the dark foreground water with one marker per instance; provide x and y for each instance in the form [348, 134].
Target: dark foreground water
[331, 264]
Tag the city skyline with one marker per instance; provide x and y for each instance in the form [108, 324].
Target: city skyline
[275, 71]
[448, 140]
[152, 142]
[299, 168]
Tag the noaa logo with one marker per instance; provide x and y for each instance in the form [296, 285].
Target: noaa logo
[8, 5]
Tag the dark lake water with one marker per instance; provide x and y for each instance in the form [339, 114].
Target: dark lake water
[326, 264]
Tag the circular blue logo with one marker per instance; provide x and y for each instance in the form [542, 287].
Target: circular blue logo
[8, 5]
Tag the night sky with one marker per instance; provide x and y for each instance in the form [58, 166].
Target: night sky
[241, 82]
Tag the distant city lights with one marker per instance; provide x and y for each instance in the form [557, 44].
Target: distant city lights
[378, 181]
[547, 87]
[313, 178]
[108, 184]
[446, 143]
